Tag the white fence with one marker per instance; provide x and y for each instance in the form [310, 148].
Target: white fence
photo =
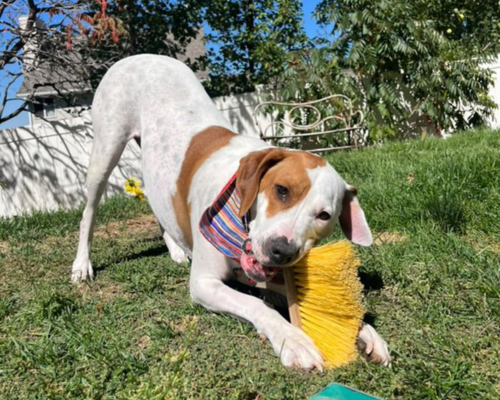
[44, 167]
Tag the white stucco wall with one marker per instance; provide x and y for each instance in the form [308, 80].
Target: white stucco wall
[239, 109]
[495, 94]
[43, 167]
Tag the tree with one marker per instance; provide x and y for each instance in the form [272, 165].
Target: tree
[37, 39]
[73, 42]
[252, 39]
[406, 61]
[161, 27]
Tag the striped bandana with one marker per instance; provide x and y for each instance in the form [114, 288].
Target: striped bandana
[221, 225]
[228, 233]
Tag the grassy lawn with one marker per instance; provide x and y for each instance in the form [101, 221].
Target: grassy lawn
[432, 291]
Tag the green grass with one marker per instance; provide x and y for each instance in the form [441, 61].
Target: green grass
[133, 332]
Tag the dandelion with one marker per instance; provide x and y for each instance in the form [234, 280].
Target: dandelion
[133, 188]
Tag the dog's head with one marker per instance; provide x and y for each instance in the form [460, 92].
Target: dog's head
[295, 199]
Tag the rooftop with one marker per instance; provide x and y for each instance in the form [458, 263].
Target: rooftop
[46, 79]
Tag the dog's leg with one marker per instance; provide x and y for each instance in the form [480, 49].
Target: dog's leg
[292, 345]
[103, 159]
[372, 346]
[176, 253]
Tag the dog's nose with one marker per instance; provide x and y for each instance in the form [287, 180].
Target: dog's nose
[281, 251]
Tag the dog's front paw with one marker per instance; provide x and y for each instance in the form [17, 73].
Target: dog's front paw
[373, 347]
[178, 255]
[296, 349]
[81, 271]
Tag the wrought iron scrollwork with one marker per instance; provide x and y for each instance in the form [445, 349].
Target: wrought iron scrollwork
[304, 123]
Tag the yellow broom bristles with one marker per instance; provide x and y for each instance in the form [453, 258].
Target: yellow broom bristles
[329, 298]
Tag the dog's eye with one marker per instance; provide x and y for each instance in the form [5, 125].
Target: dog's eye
[281, 192]
[324, 216]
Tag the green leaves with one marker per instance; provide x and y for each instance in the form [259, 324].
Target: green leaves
[404, 63]
[254, 38]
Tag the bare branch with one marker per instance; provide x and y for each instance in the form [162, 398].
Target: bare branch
[5, 99]
[8, 55]
[60, 6]
[4, 5]
[15, 113]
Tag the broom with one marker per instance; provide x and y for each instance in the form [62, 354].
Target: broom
[324, 299]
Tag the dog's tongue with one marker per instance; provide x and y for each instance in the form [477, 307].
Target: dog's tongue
[252, 268]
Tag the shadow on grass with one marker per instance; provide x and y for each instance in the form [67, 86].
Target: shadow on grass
[155, 251]
[278, 301]
[371, 281]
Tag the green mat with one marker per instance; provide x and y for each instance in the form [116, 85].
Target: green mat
[340, 392]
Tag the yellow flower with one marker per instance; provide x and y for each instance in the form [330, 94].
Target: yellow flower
[448, 30]
[461, 16]
[133, 188]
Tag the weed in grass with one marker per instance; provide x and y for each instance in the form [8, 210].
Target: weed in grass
[7, 306]
[54, 305]
[446, 210]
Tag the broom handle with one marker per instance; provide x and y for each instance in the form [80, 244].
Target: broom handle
[291, 297]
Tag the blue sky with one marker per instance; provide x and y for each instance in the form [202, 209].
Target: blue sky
[310, 26]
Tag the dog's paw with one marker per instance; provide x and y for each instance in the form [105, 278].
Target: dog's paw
[296, 349]
[373, 347]
[81, 271]
[178, 255]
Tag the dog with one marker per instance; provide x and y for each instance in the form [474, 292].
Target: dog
[189, 153]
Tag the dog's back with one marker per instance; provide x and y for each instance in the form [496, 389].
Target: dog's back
[160, 101]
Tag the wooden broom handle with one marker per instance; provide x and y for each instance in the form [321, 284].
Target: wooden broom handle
[291, 297]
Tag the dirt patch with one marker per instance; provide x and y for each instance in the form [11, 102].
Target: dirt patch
[141, 226]
[144, 342]
[389, 237]
[110, 292]
[104, 293]
[144, 226]
[481, 244]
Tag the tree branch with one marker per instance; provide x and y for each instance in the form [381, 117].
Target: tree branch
[15, 113]
[8, 55]
[4, 5]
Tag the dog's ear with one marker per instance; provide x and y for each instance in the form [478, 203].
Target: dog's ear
[251, 170]
[352, 219]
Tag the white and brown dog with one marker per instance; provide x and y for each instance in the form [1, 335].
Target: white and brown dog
[188, 154]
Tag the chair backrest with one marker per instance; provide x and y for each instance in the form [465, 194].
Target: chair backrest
[327, 124]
